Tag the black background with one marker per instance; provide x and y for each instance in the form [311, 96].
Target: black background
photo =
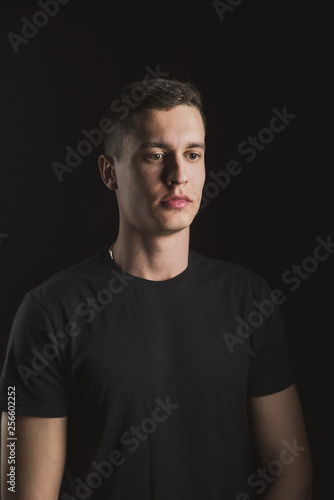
[261, 56]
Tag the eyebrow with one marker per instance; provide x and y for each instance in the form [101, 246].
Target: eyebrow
[162, 145]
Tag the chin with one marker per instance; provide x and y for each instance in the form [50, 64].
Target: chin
[178, 224]
[174, 220]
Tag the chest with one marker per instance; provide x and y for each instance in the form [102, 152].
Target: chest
[155, 345]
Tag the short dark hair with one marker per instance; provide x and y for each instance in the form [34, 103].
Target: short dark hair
[157, 93]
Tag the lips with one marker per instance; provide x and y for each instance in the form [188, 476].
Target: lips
[176, 201]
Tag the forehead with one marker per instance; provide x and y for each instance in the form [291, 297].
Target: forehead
[174, 126]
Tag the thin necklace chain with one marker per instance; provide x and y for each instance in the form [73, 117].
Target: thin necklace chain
[110, 252]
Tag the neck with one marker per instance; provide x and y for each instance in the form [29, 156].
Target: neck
[154, 258]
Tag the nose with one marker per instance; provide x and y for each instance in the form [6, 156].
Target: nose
[175, 170]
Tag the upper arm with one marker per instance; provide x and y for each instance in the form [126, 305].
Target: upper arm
[40, 450]
[279, 430]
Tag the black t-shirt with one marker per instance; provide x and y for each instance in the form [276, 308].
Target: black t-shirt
[153, 376]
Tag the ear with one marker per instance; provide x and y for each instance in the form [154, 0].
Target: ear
[107, 171]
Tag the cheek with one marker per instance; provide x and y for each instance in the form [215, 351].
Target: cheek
[134, 183]
[142, 190]
[200, 180]
[148, 182]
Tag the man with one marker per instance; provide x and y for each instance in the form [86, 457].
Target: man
[146, 371]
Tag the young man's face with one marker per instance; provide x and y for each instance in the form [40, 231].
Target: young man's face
[163, 157]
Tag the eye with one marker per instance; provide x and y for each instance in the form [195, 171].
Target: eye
[155, 156]
[193, 156]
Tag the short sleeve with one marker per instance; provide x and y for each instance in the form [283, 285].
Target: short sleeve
[270, 370]
[34, 364]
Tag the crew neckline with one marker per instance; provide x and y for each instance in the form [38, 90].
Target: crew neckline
[179, 278]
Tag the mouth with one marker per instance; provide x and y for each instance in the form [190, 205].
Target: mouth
[176, 201]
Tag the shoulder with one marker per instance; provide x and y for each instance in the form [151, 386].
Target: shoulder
[228, 275]
[230, 272]
[68, 282]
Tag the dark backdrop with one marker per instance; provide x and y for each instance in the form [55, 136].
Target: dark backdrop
[254, 57]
